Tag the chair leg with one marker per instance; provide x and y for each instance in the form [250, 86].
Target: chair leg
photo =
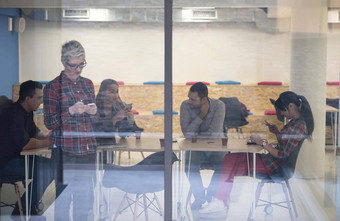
[119, 156]
[188, 198]
[119, 207]
[269, 187]
[186, 204]
[0, 198]
[159, 204]
[257, 197]
[16, 187]
[291, 197]
[145, 207]
[142, 155]
[135, 213]
[288, 201]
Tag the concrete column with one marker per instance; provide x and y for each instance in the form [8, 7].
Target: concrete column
[308, 77]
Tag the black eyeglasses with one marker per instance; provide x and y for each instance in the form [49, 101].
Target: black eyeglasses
[76, 66]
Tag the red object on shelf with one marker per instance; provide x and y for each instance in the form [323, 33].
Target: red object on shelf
[269, 83]
[332, 82]
[194, 82]
[135, 112]
[120, 82]
[269, 112]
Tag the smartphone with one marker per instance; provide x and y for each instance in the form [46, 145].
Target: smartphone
[268, 124]
[128, 106]
[91, 104]
[249, 142]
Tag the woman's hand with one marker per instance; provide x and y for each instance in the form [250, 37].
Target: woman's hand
[256, 139]
[130, 116]
[120, 115]
[273, 129]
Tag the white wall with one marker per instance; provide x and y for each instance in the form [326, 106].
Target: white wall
[134, 53]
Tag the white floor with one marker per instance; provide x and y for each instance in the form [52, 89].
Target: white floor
[315, 198]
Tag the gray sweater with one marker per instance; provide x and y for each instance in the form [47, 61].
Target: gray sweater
[210, 127]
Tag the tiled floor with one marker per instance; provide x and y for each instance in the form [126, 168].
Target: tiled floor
[315, 198]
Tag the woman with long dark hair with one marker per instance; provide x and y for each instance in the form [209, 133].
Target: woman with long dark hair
[297, 110]
[114, 114]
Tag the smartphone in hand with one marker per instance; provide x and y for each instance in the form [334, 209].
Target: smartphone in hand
[128, 107]
[266, 122]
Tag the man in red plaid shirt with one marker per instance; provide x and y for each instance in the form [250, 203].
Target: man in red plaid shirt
[69, 110]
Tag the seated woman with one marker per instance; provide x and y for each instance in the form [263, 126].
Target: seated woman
[114, 114]
[301, 125]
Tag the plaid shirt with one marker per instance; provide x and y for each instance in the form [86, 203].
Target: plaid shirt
[289, 138]
[74, 134]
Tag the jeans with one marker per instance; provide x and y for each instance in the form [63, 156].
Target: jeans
[201, 159]
[80, 178]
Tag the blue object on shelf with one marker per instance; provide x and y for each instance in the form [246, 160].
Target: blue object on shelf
[154, 82]
[227, 82]
[162, 112]
[38, 112]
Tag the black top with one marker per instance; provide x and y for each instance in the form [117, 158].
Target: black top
[104, 130]
[16, 129]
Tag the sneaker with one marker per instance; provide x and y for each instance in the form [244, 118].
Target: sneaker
[214, 206]
[209, 197]
[197, 204]
[32, 218]
[214, 216]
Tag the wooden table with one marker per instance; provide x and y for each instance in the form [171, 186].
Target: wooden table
[27, 153]
[233, 145]
[144, 144]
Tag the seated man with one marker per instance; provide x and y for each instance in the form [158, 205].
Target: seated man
[18, 132]
[203, 117]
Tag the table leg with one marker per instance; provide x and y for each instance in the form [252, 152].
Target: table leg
[248, 164]
[32, 180]
[96, 190]
[254, 187]
[26, 184]
[188, 176]
[180, 173]
[333, 131]
[335, 125]
[336, 128]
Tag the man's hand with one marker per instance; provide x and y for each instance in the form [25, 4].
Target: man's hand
[34, 143]
[77, 108]
[204, 108]
[41, 135]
